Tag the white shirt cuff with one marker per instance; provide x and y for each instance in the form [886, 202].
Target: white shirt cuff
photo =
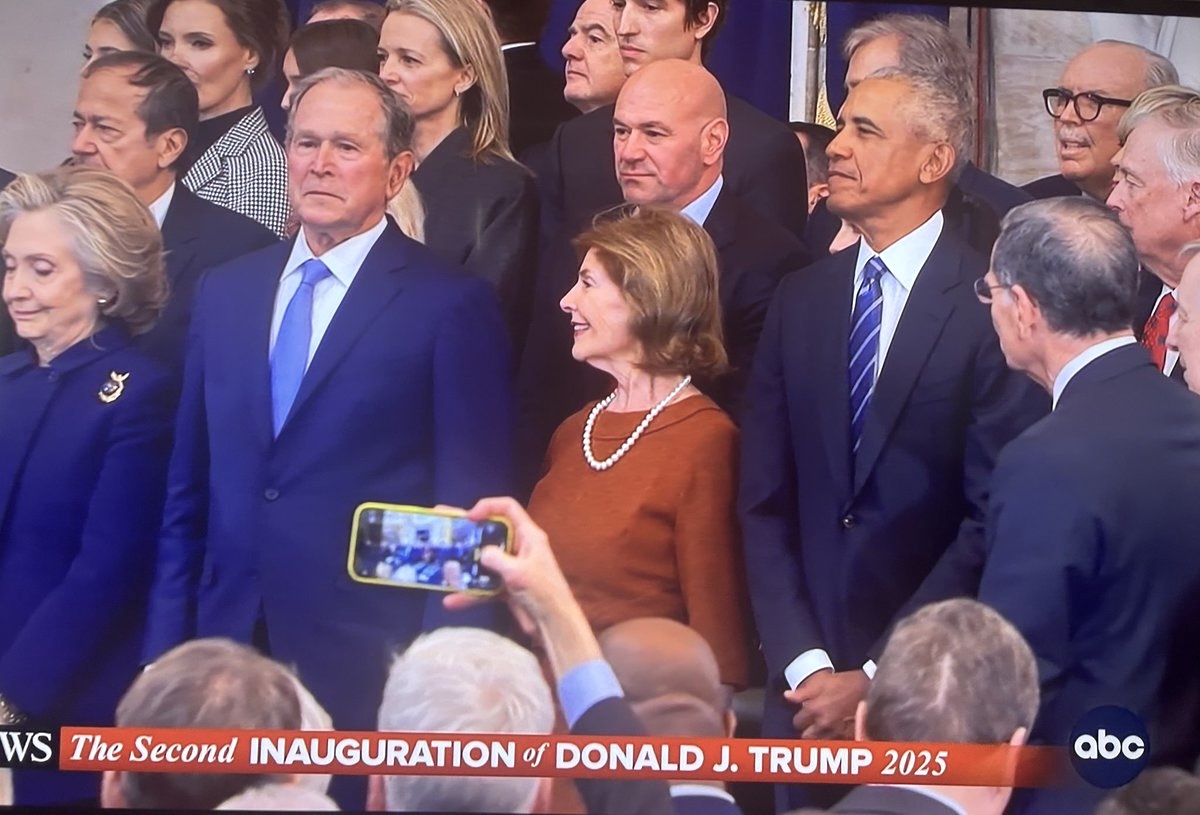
[869, 668]
[805, 665]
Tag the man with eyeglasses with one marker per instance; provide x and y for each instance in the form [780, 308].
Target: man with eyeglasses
[1092, 513]
[1097, 86]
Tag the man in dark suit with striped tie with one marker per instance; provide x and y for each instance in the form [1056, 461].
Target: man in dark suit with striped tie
[1158, 206]
[876, 406]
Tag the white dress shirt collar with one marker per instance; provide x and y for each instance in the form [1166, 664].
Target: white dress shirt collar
[905, 257]
[701, 208]
[158, 208]
[342, 260]
[512, 45]
[1090, 354]
[678, 790]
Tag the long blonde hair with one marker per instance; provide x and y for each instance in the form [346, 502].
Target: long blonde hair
[469, 38]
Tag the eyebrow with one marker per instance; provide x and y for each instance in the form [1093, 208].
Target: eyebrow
[866, 122]
[592, 28]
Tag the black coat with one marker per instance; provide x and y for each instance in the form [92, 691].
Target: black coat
[483, 215]
[535, 98]
[1052, 186]
[764, 165]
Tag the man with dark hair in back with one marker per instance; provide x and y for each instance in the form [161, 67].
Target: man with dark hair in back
[763, 163]
[207, 683]
[535, 90]
[814, 138]
[371, 12]
[133, 117]
[1091, 531]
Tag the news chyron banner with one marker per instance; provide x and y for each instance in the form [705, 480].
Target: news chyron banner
[670, 759]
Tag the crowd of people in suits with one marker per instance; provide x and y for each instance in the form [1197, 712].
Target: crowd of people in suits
[757, 384]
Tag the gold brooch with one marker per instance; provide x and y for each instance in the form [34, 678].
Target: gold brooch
[113, 388]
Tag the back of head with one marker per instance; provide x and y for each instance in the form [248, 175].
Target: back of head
[926, 47]
[130, 17]
[470, 39]
[170, 99]
[519, 20]
[280, 797]
[1157, 791]
[954, 671]
[669, 675]
[345, 43]
[368, 11]
[818, 137]
[114, 238]
[464, 680]
[1074, 259]
[208, 683]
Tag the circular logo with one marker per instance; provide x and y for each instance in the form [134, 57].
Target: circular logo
[1109, 746]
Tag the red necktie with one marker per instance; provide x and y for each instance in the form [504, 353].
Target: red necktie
[1155, 335]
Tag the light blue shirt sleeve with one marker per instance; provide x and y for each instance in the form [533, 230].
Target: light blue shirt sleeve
[584, 686]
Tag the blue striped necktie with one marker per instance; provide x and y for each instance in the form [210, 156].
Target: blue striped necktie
[290, 357]
[864, 345]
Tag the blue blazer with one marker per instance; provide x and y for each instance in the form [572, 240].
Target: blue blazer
[1092, 540]
[407, 400]
[837, 545]
[197, 235]
[81, 486]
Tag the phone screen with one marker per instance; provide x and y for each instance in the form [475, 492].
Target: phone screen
[421, 548]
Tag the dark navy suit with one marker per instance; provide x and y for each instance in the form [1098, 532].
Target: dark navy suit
[197, 235]
[407, 400]
[1094, 556]
[838, 545]
[81, 486]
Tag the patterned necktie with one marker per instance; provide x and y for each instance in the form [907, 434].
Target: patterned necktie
[864, 345]
[290, 358]
[1155, 335]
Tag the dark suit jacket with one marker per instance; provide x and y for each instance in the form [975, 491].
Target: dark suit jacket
[1052, 186]
[81, 489]
[764, 166]
[197, 235]
[754, 254]
[483, 216]
[703, 805]
[407, 400]
[535, 98]
[614, 717]
[889, 801]
[996, 193]
[6, 329]
[1091, 535]
[836, 544]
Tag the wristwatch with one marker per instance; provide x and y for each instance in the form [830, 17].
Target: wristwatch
[9, 715]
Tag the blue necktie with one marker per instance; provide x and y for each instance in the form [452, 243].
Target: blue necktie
[290, 357]
[864, 345]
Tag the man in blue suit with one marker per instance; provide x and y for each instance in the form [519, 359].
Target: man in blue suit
[133, 117]
[348, 365]
[877, 404]
[1092, 531]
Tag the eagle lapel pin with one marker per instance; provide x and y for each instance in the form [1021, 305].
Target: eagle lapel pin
[113, 388]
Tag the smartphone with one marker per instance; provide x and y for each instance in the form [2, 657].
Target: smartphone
[421, 548]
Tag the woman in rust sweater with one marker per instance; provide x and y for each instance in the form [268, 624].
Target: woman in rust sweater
[638, 493]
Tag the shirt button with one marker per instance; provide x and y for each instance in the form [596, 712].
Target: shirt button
[270, 493]
[849, 521]
[53, 376]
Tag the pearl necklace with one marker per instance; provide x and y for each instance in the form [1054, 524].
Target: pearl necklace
[637, 433]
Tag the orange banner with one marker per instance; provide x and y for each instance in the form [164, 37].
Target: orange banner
[362, 753]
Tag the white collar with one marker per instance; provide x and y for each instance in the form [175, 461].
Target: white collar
[512, 45]
[905, 257]
[701, 208]
[1081, 360]
[703, 790]
[158, 208]
[342, 260]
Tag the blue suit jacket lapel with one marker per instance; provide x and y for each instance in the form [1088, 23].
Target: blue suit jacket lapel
[375, 285]
[829, 361]
[925, 315]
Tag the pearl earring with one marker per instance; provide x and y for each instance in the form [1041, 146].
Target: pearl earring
[250, 71]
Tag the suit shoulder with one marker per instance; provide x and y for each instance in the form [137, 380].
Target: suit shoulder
[234, 273]
[228, 227]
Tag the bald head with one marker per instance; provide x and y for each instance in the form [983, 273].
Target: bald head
[670, 131]
[669, 675]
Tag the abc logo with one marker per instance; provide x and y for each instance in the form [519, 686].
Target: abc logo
[1109, 747]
